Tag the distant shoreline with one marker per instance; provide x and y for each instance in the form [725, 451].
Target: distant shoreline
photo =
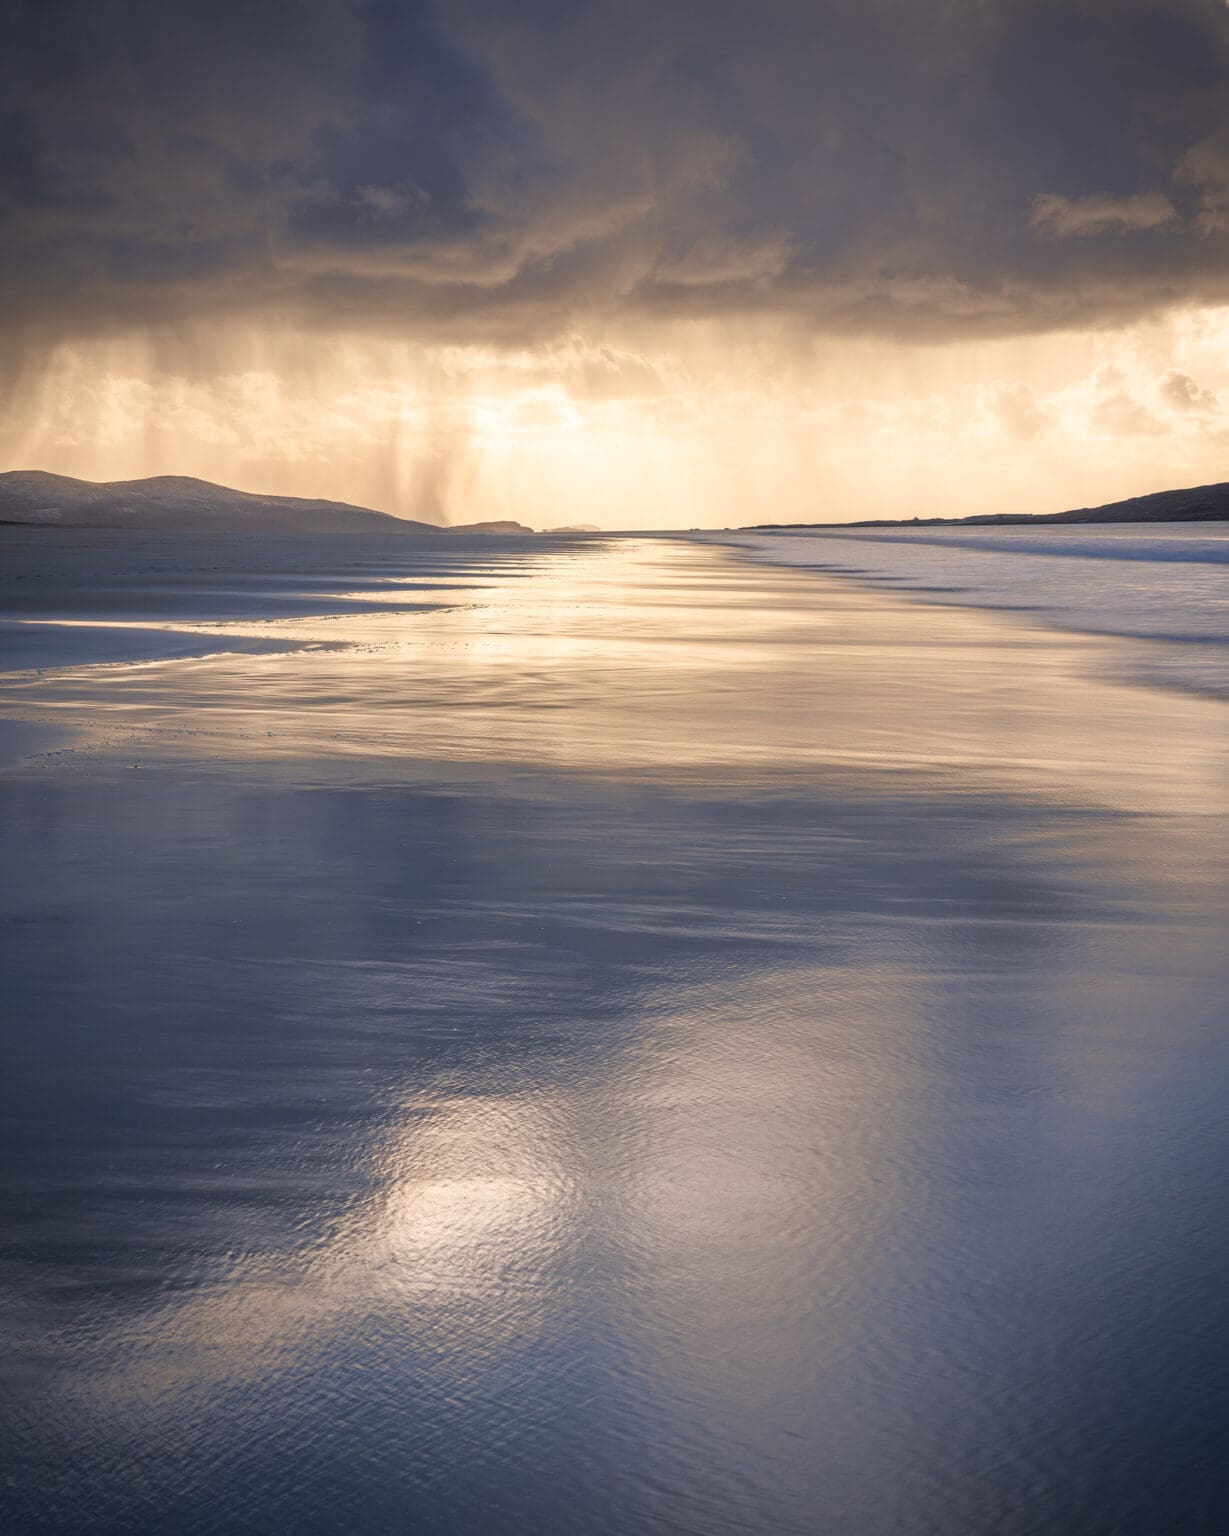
[1005, 520]
[1197, 504]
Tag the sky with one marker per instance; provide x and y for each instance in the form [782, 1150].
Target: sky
[641, 263]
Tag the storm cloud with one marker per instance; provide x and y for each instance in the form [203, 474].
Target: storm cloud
[481, 171]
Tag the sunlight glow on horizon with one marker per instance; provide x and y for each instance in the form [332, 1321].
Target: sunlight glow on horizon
[687, 424]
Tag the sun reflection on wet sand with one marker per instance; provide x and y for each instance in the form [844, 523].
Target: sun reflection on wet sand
[453, 1248]
[658, 658]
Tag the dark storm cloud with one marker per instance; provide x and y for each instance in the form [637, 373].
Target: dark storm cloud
[482, 168]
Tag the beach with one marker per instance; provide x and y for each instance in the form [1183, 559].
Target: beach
[616, 1036]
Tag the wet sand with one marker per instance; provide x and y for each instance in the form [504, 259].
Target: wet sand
[627, 1040]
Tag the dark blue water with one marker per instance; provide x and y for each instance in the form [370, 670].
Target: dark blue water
[653, 1044]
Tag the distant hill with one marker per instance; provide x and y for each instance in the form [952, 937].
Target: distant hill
[180, 504]
[1198, 504]
[177, 503]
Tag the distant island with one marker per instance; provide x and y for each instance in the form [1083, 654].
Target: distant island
[1198, 504]
[180, 504]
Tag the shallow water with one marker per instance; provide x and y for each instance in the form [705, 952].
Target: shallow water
[653, 1043]
[1163, 585]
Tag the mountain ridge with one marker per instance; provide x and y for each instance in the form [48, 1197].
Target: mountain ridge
[185, 504]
